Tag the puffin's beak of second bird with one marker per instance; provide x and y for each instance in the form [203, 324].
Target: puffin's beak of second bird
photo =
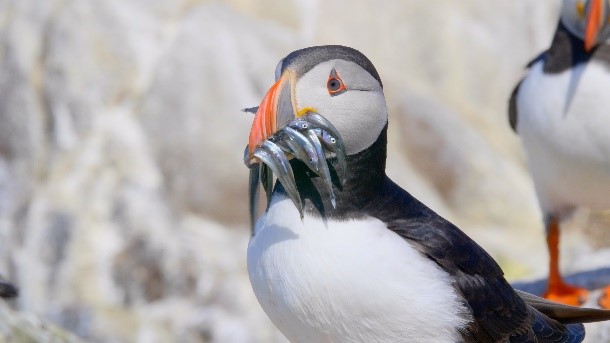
[280, 131]
[596, 18]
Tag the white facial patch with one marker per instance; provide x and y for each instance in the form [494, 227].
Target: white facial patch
[360, 113]
[572, 19]
[575, 20]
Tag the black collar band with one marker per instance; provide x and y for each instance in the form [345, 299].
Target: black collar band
[354, 194]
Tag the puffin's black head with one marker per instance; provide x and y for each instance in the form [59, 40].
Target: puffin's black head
[587, 20]
[337, 82]
[327, 104]
[307, 58]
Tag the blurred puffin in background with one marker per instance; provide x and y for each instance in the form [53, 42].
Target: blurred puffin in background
[561, 111]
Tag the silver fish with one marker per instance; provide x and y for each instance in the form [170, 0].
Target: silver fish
[339, 147]
[309, 155]
[266, 176]
[253, 190]
[324, 171]
[305, 138]
[270, 154]
[252, 110]
[299, 124]
[333, 145]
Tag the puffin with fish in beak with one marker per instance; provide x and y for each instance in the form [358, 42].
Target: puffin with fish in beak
[342, 253]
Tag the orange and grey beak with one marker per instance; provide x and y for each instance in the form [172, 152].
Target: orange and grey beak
[595, 23]
[276, 109]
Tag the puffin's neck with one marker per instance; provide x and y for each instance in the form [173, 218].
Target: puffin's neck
[567, 50]
[365, 176]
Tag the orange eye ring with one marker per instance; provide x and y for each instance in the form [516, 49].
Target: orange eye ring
[334, 84]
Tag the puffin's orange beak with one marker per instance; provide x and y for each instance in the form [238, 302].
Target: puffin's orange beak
[595, 22]
[276, 109]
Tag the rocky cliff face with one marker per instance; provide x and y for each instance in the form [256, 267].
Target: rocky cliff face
[123, 212]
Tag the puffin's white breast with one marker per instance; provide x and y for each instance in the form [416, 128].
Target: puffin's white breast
[351, 281]
[564, 122]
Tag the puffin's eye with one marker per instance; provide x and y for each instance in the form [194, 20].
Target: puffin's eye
[334, 84]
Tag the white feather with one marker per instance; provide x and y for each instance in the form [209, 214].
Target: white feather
[564, 123]
[350, 281]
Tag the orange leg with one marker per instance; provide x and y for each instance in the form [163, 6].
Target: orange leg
[604, 300]
[557, 290]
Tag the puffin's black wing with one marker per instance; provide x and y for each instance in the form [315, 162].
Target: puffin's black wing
[512, 102]
[549, 330]
[499, 314]
[564, 314]
[512, 107]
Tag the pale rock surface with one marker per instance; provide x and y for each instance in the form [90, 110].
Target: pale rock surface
[20, 327]
[123, 212]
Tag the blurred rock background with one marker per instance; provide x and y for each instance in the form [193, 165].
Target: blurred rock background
[123, 212]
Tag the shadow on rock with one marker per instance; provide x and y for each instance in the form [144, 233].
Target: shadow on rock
[7, 290]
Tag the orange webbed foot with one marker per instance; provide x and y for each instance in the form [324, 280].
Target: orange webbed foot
[567, 294]
[557, 290]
